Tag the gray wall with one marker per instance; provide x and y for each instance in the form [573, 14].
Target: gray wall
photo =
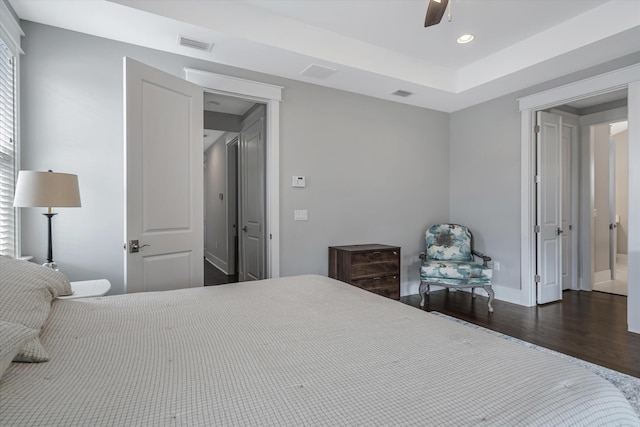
[215, 183]
[377, 171]
[622, 189]
[485, 182]
[601, 197]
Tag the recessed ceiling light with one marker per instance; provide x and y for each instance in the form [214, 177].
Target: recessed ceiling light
[465, 38]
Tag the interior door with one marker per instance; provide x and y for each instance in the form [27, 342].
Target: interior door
[567, 185]
[232, 206]
[163, 180]
[549, 207]
[252, 202]
[613, 223]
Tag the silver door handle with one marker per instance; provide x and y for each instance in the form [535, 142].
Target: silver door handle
[134, 246]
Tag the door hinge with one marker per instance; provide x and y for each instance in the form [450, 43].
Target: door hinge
[537, 278]
[536, 129]
[536, 229]
[537, 179]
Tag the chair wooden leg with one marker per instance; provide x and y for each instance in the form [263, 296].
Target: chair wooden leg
[491, 295]
[421, 291]
[473, 292]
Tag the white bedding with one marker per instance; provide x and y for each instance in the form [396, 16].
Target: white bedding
[303, 350]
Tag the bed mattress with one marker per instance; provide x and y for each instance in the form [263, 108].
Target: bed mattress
[303, 350]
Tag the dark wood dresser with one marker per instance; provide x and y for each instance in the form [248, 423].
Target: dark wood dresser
[373, 267]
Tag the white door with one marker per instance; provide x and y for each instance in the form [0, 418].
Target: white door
[613, 224]
[549, 207]
[567, 186]
[232, 206]
[163, 180]
[252, 201]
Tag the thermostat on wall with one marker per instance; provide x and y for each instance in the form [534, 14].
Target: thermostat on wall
[298, 181]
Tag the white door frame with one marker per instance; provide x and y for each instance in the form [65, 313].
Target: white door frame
[271, 95]
[629, 78]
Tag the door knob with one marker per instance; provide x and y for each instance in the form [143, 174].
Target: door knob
[244, 228]
[134, 246]
[559, 231]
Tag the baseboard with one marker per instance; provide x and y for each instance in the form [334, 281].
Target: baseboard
[502, 293]
[601, 276]
[217, 262]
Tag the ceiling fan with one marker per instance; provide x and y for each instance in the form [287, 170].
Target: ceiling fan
[435, 11]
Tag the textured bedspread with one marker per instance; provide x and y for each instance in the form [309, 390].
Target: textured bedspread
[293, 351]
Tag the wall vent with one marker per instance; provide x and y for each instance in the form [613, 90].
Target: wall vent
[319, 72]
[402, 93]
[194, 44]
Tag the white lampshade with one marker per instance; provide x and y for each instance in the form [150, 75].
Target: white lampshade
[47, 189]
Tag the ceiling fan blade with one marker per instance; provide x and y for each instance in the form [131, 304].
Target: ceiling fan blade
[435, 12]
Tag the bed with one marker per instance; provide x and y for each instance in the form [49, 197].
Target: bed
[304, 350]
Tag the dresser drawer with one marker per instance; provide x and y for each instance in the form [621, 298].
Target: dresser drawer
[388, 286]
[374, 257]
[377, 282]
[375, 269]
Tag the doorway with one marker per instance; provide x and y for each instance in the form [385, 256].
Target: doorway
[234, 189]
[581, 206]
[611, 193]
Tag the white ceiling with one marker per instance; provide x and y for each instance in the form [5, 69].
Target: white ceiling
[226, 104]
[376, 46]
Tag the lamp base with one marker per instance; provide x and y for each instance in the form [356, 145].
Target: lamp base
[52, 265]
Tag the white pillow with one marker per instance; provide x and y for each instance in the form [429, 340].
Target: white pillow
[13, 337]
[26, 292]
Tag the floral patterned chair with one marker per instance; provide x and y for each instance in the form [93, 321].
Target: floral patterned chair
[449, 262]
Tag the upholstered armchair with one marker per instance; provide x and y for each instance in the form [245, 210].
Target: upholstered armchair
[449, 261]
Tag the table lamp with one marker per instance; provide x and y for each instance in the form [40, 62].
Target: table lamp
[47, 189]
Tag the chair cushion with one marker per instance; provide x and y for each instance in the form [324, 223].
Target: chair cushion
[448, 242]
[474, 272]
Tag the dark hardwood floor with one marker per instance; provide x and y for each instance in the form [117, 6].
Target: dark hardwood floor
[591, 326]
[213, 276]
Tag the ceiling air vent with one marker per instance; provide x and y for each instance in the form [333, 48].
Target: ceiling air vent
[402, 93]
[194, 44]
[319, 72]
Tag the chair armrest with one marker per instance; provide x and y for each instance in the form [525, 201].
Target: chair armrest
[484, 257]
[422, 256]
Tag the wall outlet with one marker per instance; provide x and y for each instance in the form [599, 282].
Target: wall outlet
[496, 265]
[300, 215]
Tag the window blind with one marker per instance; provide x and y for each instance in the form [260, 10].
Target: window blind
[7, 150]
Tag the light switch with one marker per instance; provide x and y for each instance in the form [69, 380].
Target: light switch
[298, 181]
[301, 215]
